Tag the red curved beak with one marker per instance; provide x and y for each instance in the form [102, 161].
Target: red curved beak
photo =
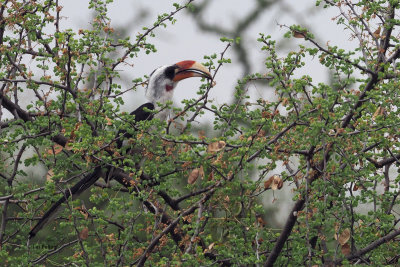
[189, 68]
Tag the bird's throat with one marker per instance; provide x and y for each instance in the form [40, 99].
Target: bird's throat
[168, 87]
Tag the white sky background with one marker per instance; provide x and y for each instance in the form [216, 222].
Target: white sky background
[184, 41]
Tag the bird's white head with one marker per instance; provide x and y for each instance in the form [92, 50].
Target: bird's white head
[163, 80]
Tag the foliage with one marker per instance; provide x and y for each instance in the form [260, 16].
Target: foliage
[192, 197]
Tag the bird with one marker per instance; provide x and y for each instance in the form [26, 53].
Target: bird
[160, 88]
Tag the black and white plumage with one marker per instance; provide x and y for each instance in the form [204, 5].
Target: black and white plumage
[160, 88]
[164, 79]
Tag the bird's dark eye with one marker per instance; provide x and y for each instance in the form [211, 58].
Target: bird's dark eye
[169, 72]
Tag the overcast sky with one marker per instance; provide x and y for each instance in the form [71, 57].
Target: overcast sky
[185, 41]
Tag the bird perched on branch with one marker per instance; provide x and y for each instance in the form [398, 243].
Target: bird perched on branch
[160, 89]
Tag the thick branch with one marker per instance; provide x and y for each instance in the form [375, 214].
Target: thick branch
[372, 246]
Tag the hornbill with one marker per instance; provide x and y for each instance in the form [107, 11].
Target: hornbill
[160, 88]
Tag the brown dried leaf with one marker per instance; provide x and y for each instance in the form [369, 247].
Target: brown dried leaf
[84, 233]
[111, 237]
[50, 174]
[297, 34]
[211, 176]
[201, 172]
[73, 135]
[68, 146]
[376, 113]
[48, 104]
[216, 146]
[261, 221]
[218, 159]
[82, 210]
[268, 182]
[56, 149]
[280, 183]
[361, 162]
[109, 121]
[377, 32]
[343, 237]
[346, 249]
[193, 176]
[261, 133]
[275, 182]
[210, 247]
[226, 199]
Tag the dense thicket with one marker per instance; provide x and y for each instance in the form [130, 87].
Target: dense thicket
[197, 198]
